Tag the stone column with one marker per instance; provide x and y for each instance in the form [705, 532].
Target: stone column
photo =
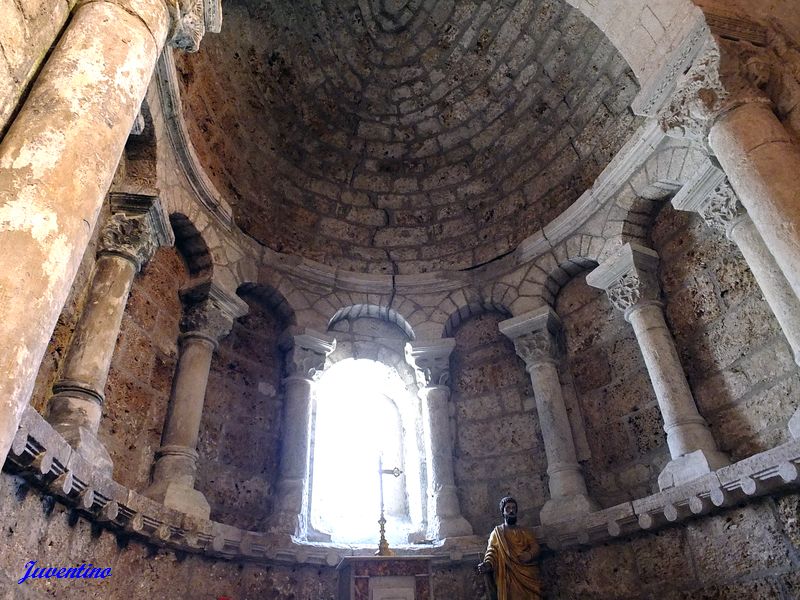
[629, 279]
[56, 164]
[431, 362]
[208, 317]
[305, 357]
[537, 339]
[710, 195]
[129, 239]
[762, 163]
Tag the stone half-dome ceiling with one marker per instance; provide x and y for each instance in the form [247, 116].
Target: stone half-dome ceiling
[403, 136]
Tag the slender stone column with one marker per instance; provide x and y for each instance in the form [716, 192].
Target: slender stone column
[305, 357]
[129, 239]
[431, 362]
[207, 319]
[629, 279]
[710, 195]
[537, 339]
[762, 163]
[57, 161]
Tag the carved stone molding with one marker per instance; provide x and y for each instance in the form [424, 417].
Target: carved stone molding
[537, 336]
[306, 353]
[209, 311]
[629, 277]
[431, 361]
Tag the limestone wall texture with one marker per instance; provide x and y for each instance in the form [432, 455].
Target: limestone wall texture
[36, 529]
[29, 28]
[498, 449]
[240, 432]
[749, 552]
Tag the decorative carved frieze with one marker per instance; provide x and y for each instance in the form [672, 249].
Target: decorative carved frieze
[210, 311]
[629, 277]
[306, 353]
[431, 361]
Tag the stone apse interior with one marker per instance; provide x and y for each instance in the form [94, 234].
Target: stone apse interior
[562, 235]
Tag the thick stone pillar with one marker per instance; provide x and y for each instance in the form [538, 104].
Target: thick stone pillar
[710, 195]
[305, 357]
[431, 362]
[762, 163]
[56, 164]
[129, 239]
[208, 317]
[629, 279]
[537, 339]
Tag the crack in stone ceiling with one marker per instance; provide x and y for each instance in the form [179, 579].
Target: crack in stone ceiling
[404, 136]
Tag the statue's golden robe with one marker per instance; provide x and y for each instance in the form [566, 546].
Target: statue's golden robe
[515, 580]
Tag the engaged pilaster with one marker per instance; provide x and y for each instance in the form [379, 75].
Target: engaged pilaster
[128, 240]
[208, 317]
[537, 339]
[306, 354]
[431, 362]
[629, 279]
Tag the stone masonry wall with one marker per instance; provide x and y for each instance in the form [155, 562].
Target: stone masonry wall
[34, 528]
[240, 431]
[29, 28]
[745, 552]
[738, 363]
[498, 449]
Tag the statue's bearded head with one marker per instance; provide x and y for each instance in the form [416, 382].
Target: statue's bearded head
[508, 508]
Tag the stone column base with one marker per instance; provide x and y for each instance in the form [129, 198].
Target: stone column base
[691, 466]
[180, 497]
[564, 508]
[449, 527]
[86, 443]
[794, 425]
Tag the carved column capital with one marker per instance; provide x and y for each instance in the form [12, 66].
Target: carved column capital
[306, 352]
[191, 19]
[537, 336]
[209, 311]
[431, 360]
[136, 228]
[710, 195]
[725, 74]
[628, 277]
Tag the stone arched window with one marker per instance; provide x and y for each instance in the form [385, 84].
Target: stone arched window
[364, 416]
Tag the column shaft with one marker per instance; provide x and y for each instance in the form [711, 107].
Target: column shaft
[444, 509]
[686, 429]
[784, 303]
[762, 164]
[566, 478]
[56, 164]
[76, 408]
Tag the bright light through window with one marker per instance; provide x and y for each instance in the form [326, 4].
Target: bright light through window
[358, 419]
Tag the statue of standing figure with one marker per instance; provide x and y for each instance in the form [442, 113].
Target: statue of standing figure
[510, 561]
